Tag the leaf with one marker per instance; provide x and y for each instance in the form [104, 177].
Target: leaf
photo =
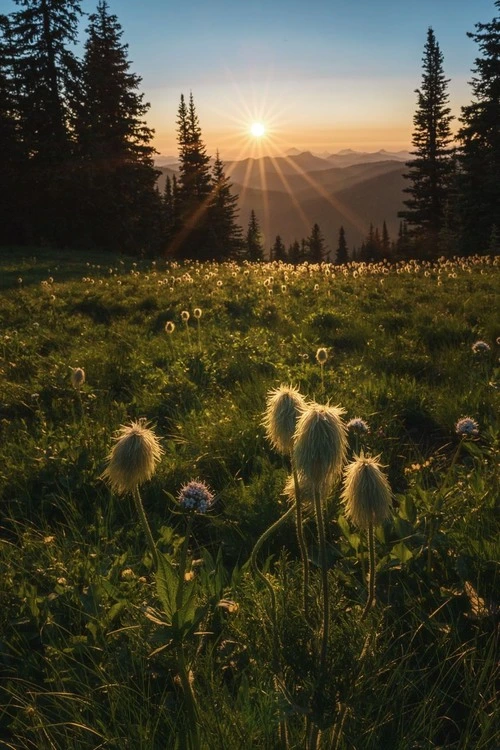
[401, 552]
[167, 581]
[407, 509]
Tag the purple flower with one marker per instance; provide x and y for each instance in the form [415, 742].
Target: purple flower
[467, 426]
[358, 426]
[196, 497]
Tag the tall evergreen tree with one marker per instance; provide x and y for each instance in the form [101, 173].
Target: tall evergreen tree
[278, 250]
[118, 175]
[316, 246]
[195, 184]
[385, 242]
[479, 136]
[13, 156]
[294, 253]
[46, 68]
[253, 240]
[430, 170]
[341, 255]
[225, 235]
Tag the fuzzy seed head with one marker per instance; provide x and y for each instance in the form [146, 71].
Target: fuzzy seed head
[284, 407]
[366, 492]
[321, 355]
[185, 316]
[320, 443]
[133, 457]
[169, 327]
[77, 377]
[197, 313]
[358, 426]
[480, 347]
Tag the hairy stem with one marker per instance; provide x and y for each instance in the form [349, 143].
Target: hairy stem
[145, 525]
[371, 572]
[302, 544]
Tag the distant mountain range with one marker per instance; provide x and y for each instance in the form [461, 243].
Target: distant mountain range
[292, 192]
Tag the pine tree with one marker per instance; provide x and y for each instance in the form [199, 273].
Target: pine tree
[430, 170]
[121, 206]
[294, 253]
[253, 240]
[341, 255]
[45, 70]
[195, 184]
[316, 246]
[278, 250]
[13, 156]
[225, 235]
[385, 242]
[479, 136]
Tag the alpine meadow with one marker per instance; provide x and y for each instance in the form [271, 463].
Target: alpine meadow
[249, 396]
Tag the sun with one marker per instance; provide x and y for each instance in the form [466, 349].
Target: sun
[257, 129]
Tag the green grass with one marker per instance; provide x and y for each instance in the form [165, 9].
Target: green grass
[88, 657]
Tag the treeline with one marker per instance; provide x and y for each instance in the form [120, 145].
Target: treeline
[78, 161]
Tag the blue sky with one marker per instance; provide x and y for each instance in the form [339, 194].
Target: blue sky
[320, 75]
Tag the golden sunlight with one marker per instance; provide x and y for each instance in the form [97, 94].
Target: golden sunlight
[257, 129]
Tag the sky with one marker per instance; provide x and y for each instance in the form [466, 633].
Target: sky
[320, 75]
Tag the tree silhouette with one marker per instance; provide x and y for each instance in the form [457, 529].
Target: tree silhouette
[430, 170]
[316, 246]
[278, 250]
[341, 255]
[253, 240]
[225, 235]
[122, 206]
[479, 136]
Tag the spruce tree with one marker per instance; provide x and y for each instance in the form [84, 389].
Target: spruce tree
[278, 250]
[224, 234]
[341, 255]
[479, 136]
[385, 242]
[43, 33]
[195, 185]
[294, 253]
[121, 206]
[13, 157]
[254, 249]
[430, 170]
[316, 246]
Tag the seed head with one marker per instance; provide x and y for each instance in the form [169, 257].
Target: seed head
[133, 457]
[480, 347]
[366, 492]
[284, 407]
[77, 377]
[321, 355]
[185, 316]
[320, 445]
[169, 327]
[466, 426]
[197, 313]
[196, 497]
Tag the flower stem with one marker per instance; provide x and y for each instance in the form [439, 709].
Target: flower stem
[190, 700]
[302, 544]
[318, 507]
[433, 521]
[145, 525]
[371, 572]
[182, 564]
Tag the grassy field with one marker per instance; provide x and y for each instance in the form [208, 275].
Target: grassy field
[103, 646]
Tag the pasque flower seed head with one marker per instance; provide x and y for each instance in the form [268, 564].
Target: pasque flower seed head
[284, 407]
[133, 457]
[320, 445]
[366, 492]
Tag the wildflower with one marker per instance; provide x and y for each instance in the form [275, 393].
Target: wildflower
[366, 492]
[169, 327]
[127, 574]
[466, 426]
[197, 313]
[284, 407]
[133, 458]
[185, 316]
[358, 426]
[77, 377]
[321, 355]
[480, 347]
[320, 445]
[196, 496]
